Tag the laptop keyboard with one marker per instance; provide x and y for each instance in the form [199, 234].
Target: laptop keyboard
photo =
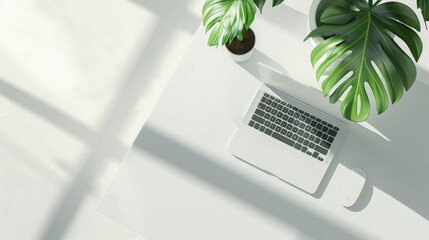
[294, 127]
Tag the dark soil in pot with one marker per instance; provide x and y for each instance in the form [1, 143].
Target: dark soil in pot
[242, 47]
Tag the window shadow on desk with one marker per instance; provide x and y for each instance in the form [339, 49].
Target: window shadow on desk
[206, 170]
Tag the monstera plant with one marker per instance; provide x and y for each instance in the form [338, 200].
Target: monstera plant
[227, 18]
[359, 49]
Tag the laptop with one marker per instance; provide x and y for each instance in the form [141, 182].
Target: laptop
[286, 137]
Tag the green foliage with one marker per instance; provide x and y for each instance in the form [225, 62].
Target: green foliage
[260, 3]
[226, 19]
[423, 5]
[359, 42]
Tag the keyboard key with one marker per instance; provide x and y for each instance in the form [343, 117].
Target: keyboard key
[304, 149]
[259, 112]
[300, 111]
[279, 114]
[268, 101]
[278, 129]
[285, 110]
[267, 116]
[318, 120]
[274, 111]
[320, 158]
[319, 126]
[330, 125]
[257, 125]
[268, 109]
[272, 97]
[319, 134]
[317, 140]
[306, 135]
[325, 136]
[311, 145]
[308, 120]
[324, 123]
[325, 144]
[325, 129]
[309, 153]
[308, 128]
[264, 100]
[266, 95]
[283, 131]
[296, 122]
[306, 143]
[262, 129]
[312, 117]
[296, 115]
[300, 132]
[278, 121]
[307, 114]
[274, 104]
[283, 124]
[258, 119]
[277, 100]
[291, 120]
[285, 117]
[302, 118]
[336, 129]
[297, 146]
[252, 123]
[311, 138]
[320, 150]
[300, 140]
[267, 123]
[272, 126]
[315, 154]
[295, 130]
[289, 106]
[268, 131]
[283, 103]
[295, 137]
[330, 139]
[262, 106]
[289, 127]
[313, 123]
[332, 133]
[289, 134]
[279, 107]
[295, 108]
[313, 131]
[283, 139]
[302, 125]
[272, 118]
[290, 113]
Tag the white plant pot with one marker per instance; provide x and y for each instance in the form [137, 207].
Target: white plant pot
[312, 22]
[241, 57]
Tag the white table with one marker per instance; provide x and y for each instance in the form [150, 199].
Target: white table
[179, 182]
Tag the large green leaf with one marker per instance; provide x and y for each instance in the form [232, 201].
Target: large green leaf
[423, 5]
[359, 51]
[227, 18]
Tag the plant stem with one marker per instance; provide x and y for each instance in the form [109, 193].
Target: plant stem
[240, 37]
[378, 1]
[370, 3]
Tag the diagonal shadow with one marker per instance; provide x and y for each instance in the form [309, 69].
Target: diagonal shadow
[122, 106]
[208, 171]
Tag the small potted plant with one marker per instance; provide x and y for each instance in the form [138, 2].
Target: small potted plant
[356, 49]
[229, 22]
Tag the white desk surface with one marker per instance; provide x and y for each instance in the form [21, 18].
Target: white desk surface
[178, 181]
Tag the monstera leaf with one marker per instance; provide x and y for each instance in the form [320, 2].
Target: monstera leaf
[424, 6]
[260, 3]
[227, 18]
[360, 50]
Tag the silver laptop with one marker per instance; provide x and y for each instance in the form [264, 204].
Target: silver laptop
[287, 137]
